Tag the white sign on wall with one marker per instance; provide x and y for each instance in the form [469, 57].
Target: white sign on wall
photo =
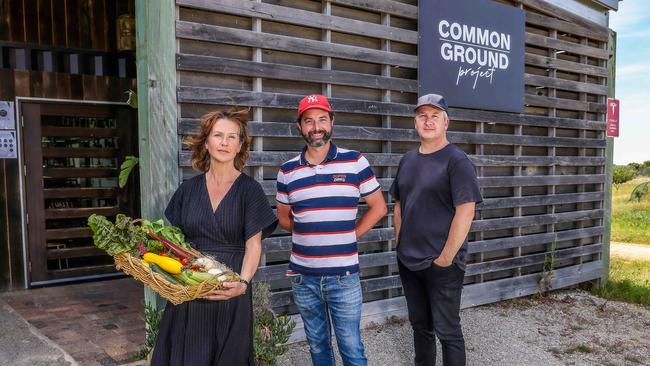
[7, 121]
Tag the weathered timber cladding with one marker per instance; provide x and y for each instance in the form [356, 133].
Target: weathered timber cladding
[541, 172]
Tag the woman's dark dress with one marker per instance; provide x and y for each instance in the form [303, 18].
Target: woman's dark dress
[203, 332]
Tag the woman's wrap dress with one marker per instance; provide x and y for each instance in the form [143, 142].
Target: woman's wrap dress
[203, 332]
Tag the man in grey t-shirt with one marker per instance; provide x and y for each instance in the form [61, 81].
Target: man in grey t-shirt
[435, 191]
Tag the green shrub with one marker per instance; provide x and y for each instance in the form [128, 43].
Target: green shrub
[152, 319]
[622, 174]
[270, 331]
[640, 191]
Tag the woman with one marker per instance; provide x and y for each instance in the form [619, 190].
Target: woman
[224, 213]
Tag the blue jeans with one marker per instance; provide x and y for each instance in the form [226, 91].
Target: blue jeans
[338, 298]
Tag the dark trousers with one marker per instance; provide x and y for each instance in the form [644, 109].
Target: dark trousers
[433, 299]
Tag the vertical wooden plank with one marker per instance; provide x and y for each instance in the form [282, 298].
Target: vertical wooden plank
[34, 185]
[387, 148]
[15, 229]
[21, 83]
[49, 84]
[157, 110]
[17, 25]
[609, 162]
[73, 12]
[30, 14]
[111, 24]
[5, 20]
[7, 81]
[76, 87]
[59, 23]
[63, 86]
[85, 30]
[31, 21]
[102, 84]
[45, 22]
[97, 24]
[89, 83]
[36, 84]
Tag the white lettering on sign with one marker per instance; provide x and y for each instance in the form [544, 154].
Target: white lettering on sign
[484, 50]
[613, 106]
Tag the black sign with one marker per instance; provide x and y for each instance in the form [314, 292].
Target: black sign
[472, 52]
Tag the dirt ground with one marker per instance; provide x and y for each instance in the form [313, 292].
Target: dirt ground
[568, 327]
[630, 250]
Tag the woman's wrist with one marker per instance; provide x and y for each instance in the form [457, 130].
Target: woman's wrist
[245, 283]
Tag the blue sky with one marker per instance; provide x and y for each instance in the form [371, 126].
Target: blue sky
[632, 25]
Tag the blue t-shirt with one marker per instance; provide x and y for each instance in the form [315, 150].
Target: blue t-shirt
[429, 187]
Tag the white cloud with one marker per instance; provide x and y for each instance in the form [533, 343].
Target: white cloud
[643, 33]
[632, 69]
[630, 14]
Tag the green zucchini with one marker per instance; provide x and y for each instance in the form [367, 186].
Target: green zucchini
[186, 279]
[202, 276]
[154, 267]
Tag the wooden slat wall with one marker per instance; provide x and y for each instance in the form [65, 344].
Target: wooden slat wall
[541, 172]
[88, 24]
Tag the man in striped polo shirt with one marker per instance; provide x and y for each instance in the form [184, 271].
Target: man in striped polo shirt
[317, 200]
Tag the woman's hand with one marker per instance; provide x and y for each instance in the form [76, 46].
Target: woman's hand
[231, 289]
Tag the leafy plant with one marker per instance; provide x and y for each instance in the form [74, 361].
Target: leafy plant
[120, 237]
[171, 233]
[270, 331]
[126, 168]
[640, 191]
[133, 99]
[622, 174]
[546, 277]
[152, 327]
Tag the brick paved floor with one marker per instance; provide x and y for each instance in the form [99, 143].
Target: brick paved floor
[97, 323]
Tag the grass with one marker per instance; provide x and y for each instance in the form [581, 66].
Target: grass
[629, 281]
[630, 220]
[580, 348]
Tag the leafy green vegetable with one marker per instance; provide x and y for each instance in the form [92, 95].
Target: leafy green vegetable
[133, 99]
[171, 233]
[125, 169]
[115, 238]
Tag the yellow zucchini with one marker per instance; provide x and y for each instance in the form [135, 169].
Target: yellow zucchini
[169, 265]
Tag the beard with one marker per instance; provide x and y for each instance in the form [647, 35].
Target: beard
[316, 143]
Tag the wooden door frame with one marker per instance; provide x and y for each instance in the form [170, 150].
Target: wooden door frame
[20, 102]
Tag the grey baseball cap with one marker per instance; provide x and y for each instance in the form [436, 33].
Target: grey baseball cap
[434, 100]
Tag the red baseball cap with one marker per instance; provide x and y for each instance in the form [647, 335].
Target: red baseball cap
[314, 101]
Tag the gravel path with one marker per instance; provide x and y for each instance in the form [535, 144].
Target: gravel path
[630, 250]
[569, 327]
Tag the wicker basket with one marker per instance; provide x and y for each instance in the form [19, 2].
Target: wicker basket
[136, 268]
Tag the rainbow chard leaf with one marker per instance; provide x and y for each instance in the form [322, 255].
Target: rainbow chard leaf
[125, 169]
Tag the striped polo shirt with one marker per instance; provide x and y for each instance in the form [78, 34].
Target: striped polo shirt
[324, 200]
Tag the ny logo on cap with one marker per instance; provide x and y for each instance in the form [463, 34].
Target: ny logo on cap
[312, 99]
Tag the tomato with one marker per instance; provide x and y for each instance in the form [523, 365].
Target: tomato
[163, 254]
[185, 261]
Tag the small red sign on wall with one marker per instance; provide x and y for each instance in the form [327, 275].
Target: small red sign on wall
[613, 111]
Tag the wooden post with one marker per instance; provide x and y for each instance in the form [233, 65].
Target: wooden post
[609, 161]
[157, 110]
